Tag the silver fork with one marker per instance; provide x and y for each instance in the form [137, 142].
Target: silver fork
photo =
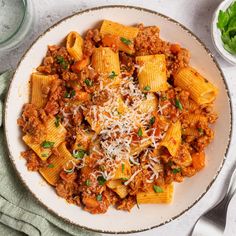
[213, 221]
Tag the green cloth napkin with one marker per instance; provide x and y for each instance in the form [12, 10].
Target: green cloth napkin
[20, 213]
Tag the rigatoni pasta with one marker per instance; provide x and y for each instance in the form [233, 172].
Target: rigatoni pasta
[116, 117]
[152, 73]
[74, 45]
[39, 84]
[201, 90]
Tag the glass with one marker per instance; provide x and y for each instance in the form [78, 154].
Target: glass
[16, 19]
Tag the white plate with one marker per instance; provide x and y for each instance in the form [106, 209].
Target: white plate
[186, 193]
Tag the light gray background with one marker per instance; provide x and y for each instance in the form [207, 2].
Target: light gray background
[194, 14]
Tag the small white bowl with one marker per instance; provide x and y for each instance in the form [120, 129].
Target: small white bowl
[216, 33]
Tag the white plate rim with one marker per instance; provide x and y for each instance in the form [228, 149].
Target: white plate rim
[192, 35]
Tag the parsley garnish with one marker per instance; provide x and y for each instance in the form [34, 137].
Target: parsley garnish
[163, 98]
[72, 93]
[50, 165]
[122, 167]
[124, 179]
[176, 170]
[157, 189]
[152, 120]
[178, 104]
[147, 88]
[227, 25]
[99, 197]
[79, 154]
[125, 41]
[200, 130]
[57, 120]
[140, 132]
[69, 94]
[47, 144]
[101, 180]
[112, 75]
[88, 82]
[88, 182]
[44, 155]
[63, 63]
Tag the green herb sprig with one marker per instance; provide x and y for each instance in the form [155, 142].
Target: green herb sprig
[227, 25]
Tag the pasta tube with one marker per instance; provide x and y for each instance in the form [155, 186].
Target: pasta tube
[38, 83]
[110, 27]
[164, 196]
[152, 73]
[201, 90]
[123, 171]
[53, 138]
[106, 62]
[172, 139]
[118, 187]
[52, 172]
[149, 105]
[183, 157]
[74, 45]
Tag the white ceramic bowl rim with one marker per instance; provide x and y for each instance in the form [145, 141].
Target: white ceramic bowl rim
[185, 29]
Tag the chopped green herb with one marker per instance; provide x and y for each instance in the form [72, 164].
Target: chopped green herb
[147, 88]
[227, 25]
[125, 41]
[57, 120]
[79, 154]
[44, 155]
[200, 130]
[152, 120]
[122, 167]
[69, 171]
[60, 59]
[50, 165]
[157, 189]
[67, 94]
[112, 75]
[88, 82]
[176, 170]
[88, 182]
[163, 98]
[124, 179]
[99, 197]
[140, 132]
[63, 63]
[102, 167]
[47, 144]
[72, 93]
[101, 180]
[178, 104]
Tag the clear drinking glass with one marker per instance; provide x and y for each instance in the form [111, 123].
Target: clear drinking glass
[16, 20]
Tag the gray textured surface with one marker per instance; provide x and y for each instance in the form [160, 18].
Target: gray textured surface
[194, 14]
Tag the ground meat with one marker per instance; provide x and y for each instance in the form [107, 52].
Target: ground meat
[33, 162]
[54, 95]
[148, 41]
[127, 62]
[126, 204]
[67, 189]
[66, 75]
[92, 39]
[56, 61]
[30, 121]
[95, 204]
